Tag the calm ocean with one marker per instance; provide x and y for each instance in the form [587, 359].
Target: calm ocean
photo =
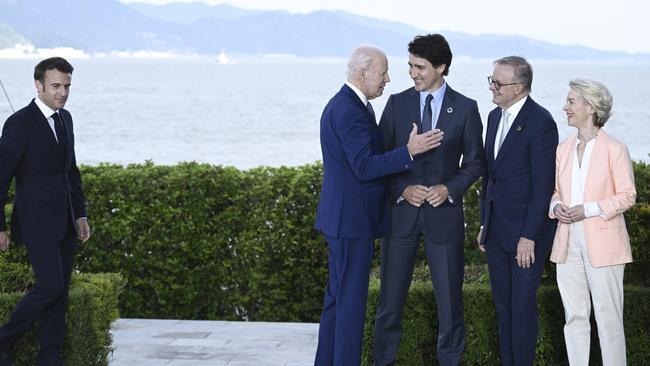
[267, 112]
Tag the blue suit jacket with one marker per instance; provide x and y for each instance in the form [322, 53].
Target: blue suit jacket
[353, 200]
[518, 185]
[48, 187]
[461, 123]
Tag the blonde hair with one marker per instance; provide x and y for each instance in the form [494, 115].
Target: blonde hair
[597, 96]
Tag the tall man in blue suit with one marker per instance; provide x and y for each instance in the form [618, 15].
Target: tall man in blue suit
[515, 229]
[49, 211]
[353, 211]
[428, 200]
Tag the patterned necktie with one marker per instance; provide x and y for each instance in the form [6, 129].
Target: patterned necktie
[504, 127]
[427, 116]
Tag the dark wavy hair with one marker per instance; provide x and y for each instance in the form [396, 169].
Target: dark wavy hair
[58, 63]
[433, 48]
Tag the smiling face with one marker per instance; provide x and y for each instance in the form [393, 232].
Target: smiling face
[425, 76]
[506, 95]
[54, 89]
[578, 112]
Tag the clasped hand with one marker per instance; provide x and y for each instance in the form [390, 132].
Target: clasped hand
[568, 215]
[416, 195]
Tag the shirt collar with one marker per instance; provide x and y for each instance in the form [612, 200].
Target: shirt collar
[358, 92]
[47, 111]
[515, 108]
[438, 94]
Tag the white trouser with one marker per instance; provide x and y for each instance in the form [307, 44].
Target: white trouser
[576, 278]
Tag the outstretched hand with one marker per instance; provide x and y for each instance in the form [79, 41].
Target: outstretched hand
[424, 142]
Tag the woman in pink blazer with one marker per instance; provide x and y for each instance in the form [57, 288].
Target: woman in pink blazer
[594, 185]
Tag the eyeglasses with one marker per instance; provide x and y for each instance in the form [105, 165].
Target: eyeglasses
[497, 85]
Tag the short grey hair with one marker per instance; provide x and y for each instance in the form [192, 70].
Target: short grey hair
[597, 96]
[523, 70]
[362, 58]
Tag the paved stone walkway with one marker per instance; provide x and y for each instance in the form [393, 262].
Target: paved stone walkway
[149, 342]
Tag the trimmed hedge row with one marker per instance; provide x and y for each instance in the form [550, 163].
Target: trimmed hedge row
[197, 241]
[93, 306]
[419, 338]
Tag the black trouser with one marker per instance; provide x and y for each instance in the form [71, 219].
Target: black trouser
[446, 266]
[46, 301]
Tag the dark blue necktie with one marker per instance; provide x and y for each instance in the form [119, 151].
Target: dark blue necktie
[427, 116]
[60, 134]
[372, 111]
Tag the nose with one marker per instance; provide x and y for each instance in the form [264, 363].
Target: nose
[387, 79]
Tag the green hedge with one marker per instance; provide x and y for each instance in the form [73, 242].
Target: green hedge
[418, 344]
[93, 305]
[197, 241]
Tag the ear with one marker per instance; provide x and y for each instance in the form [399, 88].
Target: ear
[440, 68]
[520, 88]
[39, 86]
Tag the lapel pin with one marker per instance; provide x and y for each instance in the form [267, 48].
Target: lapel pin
[518, 128]
[450, 109]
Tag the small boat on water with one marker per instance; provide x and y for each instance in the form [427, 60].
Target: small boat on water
[223, 59]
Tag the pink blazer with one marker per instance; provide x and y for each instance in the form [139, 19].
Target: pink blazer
[610, 182]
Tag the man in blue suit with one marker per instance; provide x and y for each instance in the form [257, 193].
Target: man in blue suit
[49, 211]
[517, 186]
[353, 211]
[428, 200]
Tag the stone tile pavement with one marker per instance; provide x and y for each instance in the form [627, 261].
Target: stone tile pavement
[151, 342]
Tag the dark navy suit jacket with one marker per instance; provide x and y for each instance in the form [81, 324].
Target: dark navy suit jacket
[461, 123]
[353, 201]
[518, 185]
[48, 185]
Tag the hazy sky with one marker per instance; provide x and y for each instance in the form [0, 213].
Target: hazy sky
[621, 25]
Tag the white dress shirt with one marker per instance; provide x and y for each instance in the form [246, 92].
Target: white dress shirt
[436, 103]
[513, 110]
[579, 180]
[47, 112]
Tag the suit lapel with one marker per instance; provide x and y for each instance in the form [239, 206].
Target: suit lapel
[490, 135]
[517, 129]
[446, 109]
[413, 109]
[596, 162]
[69, 146]
[44, 130]
[566, 170]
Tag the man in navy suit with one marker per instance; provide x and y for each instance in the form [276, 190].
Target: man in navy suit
[353, 211]
[49, 211]
[428, 199]
[517, 186]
